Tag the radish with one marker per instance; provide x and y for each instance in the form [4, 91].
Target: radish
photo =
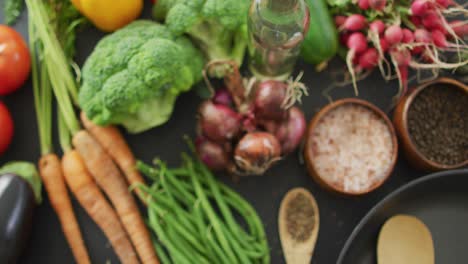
[408, 36]
[444, 3]
[378, 5]
[401, 59]
[344, 36]
[420, 7]
[357, 43]
[431, 20]
[369, 59]
[416, 21]
[393, 35]
[363, 4]
[439, 39]
[422, 36]
[355, 23]
[339, 20]
[384, 45]
[460, 28]
[377, 26]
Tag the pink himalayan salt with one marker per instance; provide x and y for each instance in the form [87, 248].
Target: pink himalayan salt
[352, 148]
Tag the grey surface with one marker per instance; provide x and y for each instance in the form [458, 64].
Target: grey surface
[439, 200]
[338, 215]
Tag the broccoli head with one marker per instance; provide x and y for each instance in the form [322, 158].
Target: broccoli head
[134, 76]
[218, 27]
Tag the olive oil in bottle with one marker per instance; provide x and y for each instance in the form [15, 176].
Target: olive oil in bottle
[276, 31]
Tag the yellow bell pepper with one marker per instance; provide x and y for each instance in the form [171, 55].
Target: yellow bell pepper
[109, 15]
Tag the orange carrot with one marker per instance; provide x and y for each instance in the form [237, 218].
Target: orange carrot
[93, 201]
[109, 178]
[52, 177]
[115, 145]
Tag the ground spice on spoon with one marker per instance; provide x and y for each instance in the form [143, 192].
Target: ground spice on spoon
[300, 217]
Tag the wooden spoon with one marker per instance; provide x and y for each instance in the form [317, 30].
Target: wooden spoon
[405, 239]
[298, 251]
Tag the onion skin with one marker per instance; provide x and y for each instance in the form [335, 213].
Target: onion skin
[292, 131]
[256, 152]
[212, 154]
[218, 122]
[222, 97]
[269, 98]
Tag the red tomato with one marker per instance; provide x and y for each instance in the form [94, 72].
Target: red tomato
[6, 128]
[15, 62]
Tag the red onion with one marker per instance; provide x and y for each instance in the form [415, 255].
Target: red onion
[222, 97]
[218, 122]
[269, 98]
[256, 152]
[212, 154]
[290, 132]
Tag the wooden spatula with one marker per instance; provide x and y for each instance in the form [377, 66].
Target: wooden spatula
[405, 239]
[298, 251]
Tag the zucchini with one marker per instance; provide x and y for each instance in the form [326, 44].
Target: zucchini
[321, 41]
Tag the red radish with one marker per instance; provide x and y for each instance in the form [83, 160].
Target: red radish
[420, 7]
[269, 99]
[369, 59]
[218, 122]
[384, 45]
[439, 39]
[339, 20]
[344, 36]
[393, 35]
[256, 152]
[377, 26]
[432, 20]
[402, 59]
[460, 28]
[363, 4]
[222, 97]
[212, 154]
[355, 22]
[377, 4]
[422, 36]
[408, 36]
[444, 3]
[416, 20]
[291, 131]
[357, 42]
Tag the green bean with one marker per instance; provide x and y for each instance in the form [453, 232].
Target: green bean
[173, 250]
[214, 245]
[194, 255]
[162, 255]
[211, 215]
[198, 214]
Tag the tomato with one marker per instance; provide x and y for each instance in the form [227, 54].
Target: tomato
[6, 128]
[15, 62]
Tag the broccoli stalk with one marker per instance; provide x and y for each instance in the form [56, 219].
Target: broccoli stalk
[217, 43]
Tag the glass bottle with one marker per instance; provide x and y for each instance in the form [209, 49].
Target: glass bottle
[276, 31]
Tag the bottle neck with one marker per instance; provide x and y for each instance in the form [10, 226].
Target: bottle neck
[282, 5]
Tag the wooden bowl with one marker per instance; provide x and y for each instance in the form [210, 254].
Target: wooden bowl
[400, 120]
[308, 149]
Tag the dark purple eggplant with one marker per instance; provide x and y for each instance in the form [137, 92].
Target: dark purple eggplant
[20, 188]
[17, 205]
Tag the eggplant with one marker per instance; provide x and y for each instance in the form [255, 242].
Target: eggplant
[20, 188]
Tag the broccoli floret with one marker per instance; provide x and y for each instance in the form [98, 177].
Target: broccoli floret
[218, 27]
[134, 76]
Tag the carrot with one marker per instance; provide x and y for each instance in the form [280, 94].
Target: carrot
[93, 201]
[109, 178]
[52, 177]
[115, 145]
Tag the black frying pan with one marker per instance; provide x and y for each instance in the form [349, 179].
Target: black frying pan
[440, 200]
